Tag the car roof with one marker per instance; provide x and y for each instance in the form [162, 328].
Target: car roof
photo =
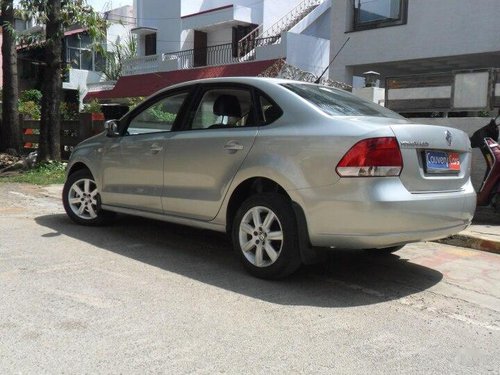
[255, 81]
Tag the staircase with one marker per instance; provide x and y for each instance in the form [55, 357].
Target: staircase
[259, 37]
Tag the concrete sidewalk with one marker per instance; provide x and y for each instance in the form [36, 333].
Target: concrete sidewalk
[483, 234]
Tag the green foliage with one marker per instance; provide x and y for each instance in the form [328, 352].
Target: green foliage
[29, 104]
[74, 12]
[134, 102]
[92, 107]
[42, 174]
[69, 111]
[485, 114]
[120, 52]
[161, 115]
[32, 95]
[29, 109]
[29, 40]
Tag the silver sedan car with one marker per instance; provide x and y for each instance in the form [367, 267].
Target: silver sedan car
[284, 167]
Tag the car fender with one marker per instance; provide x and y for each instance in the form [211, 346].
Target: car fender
[87, 156]
[271, 170]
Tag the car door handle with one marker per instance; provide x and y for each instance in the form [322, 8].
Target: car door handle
[155, 148]
[233, 146]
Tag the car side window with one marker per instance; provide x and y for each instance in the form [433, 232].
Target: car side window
[159, 117]
[270, 111]
[224, 108]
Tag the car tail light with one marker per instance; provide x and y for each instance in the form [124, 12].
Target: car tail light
[373, 157]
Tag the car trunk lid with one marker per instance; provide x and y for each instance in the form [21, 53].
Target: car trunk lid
[435, 158]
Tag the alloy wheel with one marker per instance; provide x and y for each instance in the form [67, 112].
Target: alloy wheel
[261, 236]
[83, 199]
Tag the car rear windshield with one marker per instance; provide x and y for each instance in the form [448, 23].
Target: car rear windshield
[336, 102]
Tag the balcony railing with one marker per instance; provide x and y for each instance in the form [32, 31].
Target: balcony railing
[214, 55]
[221, 54]
[142, 64]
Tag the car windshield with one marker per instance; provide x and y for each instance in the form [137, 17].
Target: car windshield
[336, 102]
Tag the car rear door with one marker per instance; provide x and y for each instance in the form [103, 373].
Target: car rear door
[202, 159]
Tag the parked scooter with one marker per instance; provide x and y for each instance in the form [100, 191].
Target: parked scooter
[486, 139]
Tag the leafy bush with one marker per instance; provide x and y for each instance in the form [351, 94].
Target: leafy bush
[32, 95]
[134, 102]
[92, 107]
[29, 109]
[163, 116]
[69, 111]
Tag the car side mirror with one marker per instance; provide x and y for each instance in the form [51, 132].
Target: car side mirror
[111, 127]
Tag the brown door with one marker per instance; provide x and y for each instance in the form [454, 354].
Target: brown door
[200, 48]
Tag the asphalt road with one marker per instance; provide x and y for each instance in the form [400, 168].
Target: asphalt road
[148, 297]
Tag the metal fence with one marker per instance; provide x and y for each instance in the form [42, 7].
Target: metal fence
[221, 54]
[72, 132]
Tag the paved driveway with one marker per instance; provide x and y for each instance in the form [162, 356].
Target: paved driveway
[143, 296]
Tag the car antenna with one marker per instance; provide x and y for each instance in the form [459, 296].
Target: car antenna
[331, 62]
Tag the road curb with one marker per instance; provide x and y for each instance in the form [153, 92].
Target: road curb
[472, 242]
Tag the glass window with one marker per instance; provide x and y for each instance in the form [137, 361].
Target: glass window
[150, 44]
[370, 14]
[159, 117]
[270, 112]
[99, 61]
[81, 55]
[86, 60]
[222, 108]
[74, 57]
[336, 102]
[85, 40]
[73, 41]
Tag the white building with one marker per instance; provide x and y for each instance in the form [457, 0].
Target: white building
[195, 33]
[402, 37]
[87, 64]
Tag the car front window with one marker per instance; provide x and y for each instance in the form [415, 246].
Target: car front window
[336, 102]
[159, 117]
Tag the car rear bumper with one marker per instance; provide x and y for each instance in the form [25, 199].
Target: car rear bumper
[380, 212]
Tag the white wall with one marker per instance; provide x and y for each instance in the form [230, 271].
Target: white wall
[79, 79]
[219, 36]
[164, 16]
[121, 20]
[435, 28]
[321, 28]
[373, 94]
[307, 53]
[275, 9]
[196, 6]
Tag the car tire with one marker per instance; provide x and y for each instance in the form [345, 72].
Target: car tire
[81, 200]
[264, 233]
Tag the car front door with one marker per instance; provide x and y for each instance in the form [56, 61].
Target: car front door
[133, 162]
[202, 159]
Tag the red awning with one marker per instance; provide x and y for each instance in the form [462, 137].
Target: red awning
[75, 31]
[147, 84]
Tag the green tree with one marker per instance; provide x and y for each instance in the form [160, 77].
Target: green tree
[57, 15]
[120, 52]
[10, 134]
